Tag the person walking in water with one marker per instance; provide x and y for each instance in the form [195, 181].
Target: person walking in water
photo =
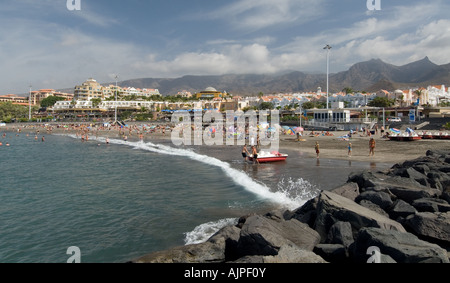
[255, 155]
[372, 147]
[245, 153]
[317, 148]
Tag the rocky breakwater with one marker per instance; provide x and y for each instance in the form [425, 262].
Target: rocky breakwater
[402, 215]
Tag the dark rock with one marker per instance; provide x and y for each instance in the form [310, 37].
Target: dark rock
[437, 153]
[332, 252]
[381, 199]
[341, 233]
[407, 189]
[422, 168]
[431, 205]
[401, 209]
[400, 246]
[307, 213]
[292, 254]
[275, 215]
[207, 252]
[370, 205]
[333, 208]
[349, 190]
[446, 196]
[262, 236]
[432, 226]
[230, 234]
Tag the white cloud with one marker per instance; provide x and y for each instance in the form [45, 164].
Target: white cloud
[51, 55]
[259, 14]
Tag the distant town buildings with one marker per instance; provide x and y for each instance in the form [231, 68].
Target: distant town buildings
[38, 96]
[91, 89]
[210, 98]
[14, 99]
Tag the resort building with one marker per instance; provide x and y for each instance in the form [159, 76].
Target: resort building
[90, 89]
[18, 100]
[210, 93]
[38, 96]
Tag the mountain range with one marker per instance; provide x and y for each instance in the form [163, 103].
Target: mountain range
[369, 76]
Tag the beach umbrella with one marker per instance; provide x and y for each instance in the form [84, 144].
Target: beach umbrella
[286, 127]
[395, 131]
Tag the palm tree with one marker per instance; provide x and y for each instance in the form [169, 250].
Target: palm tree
[419, 93]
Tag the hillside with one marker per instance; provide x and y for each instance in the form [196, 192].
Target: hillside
[369, 76]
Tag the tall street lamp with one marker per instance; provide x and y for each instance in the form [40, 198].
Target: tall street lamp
[29, 104]
[328, 47]
[115, 113]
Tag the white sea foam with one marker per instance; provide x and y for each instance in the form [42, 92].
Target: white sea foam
[290, 193]
[204, 231]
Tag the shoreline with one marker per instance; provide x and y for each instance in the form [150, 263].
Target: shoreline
[331, 146]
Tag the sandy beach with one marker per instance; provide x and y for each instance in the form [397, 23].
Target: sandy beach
[331, 146]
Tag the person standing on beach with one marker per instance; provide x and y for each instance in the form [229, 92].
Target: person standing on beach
[350, 150]
[317, 148]
[372, 147]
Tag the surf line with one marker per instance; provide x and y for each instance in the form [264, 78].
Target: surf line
[237, 176]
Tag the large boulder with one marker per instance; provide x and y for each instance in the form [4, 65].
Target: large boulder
[333, 208]
[401, 208]
[262, 236]
[381, 199]
[407, 189]
[433, 226]
[287, 254]
[349, 190]
[431, 205]
[340, 233]
[400, 246]
[207, 252]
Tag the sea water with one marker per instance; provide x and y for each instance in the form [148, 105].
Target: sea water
[120, 201]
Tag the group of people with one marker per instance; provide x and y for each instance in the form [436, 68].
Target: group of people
[246, 154]
[372, 145]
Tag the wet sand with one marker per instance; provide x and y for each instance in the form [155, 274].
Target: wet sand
[386, 151]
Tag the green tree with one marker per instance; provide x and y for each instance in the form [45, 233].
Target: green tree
[10, 111]
[50, 101]
[381, 102]
[96, 102]
[266, 106]
[348, 90]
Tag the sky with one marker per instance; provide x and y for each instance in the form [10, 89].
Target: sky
[46, 45]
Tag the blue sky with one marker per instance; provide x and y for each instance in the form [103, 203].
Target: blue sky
[44, 44]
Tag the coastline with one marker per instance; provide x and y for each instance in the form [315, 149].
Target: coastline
[331, 146]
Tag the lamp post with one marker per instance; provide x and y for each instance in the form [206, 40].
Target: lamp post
[29, 104]
[115, 112]
[328, 47]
